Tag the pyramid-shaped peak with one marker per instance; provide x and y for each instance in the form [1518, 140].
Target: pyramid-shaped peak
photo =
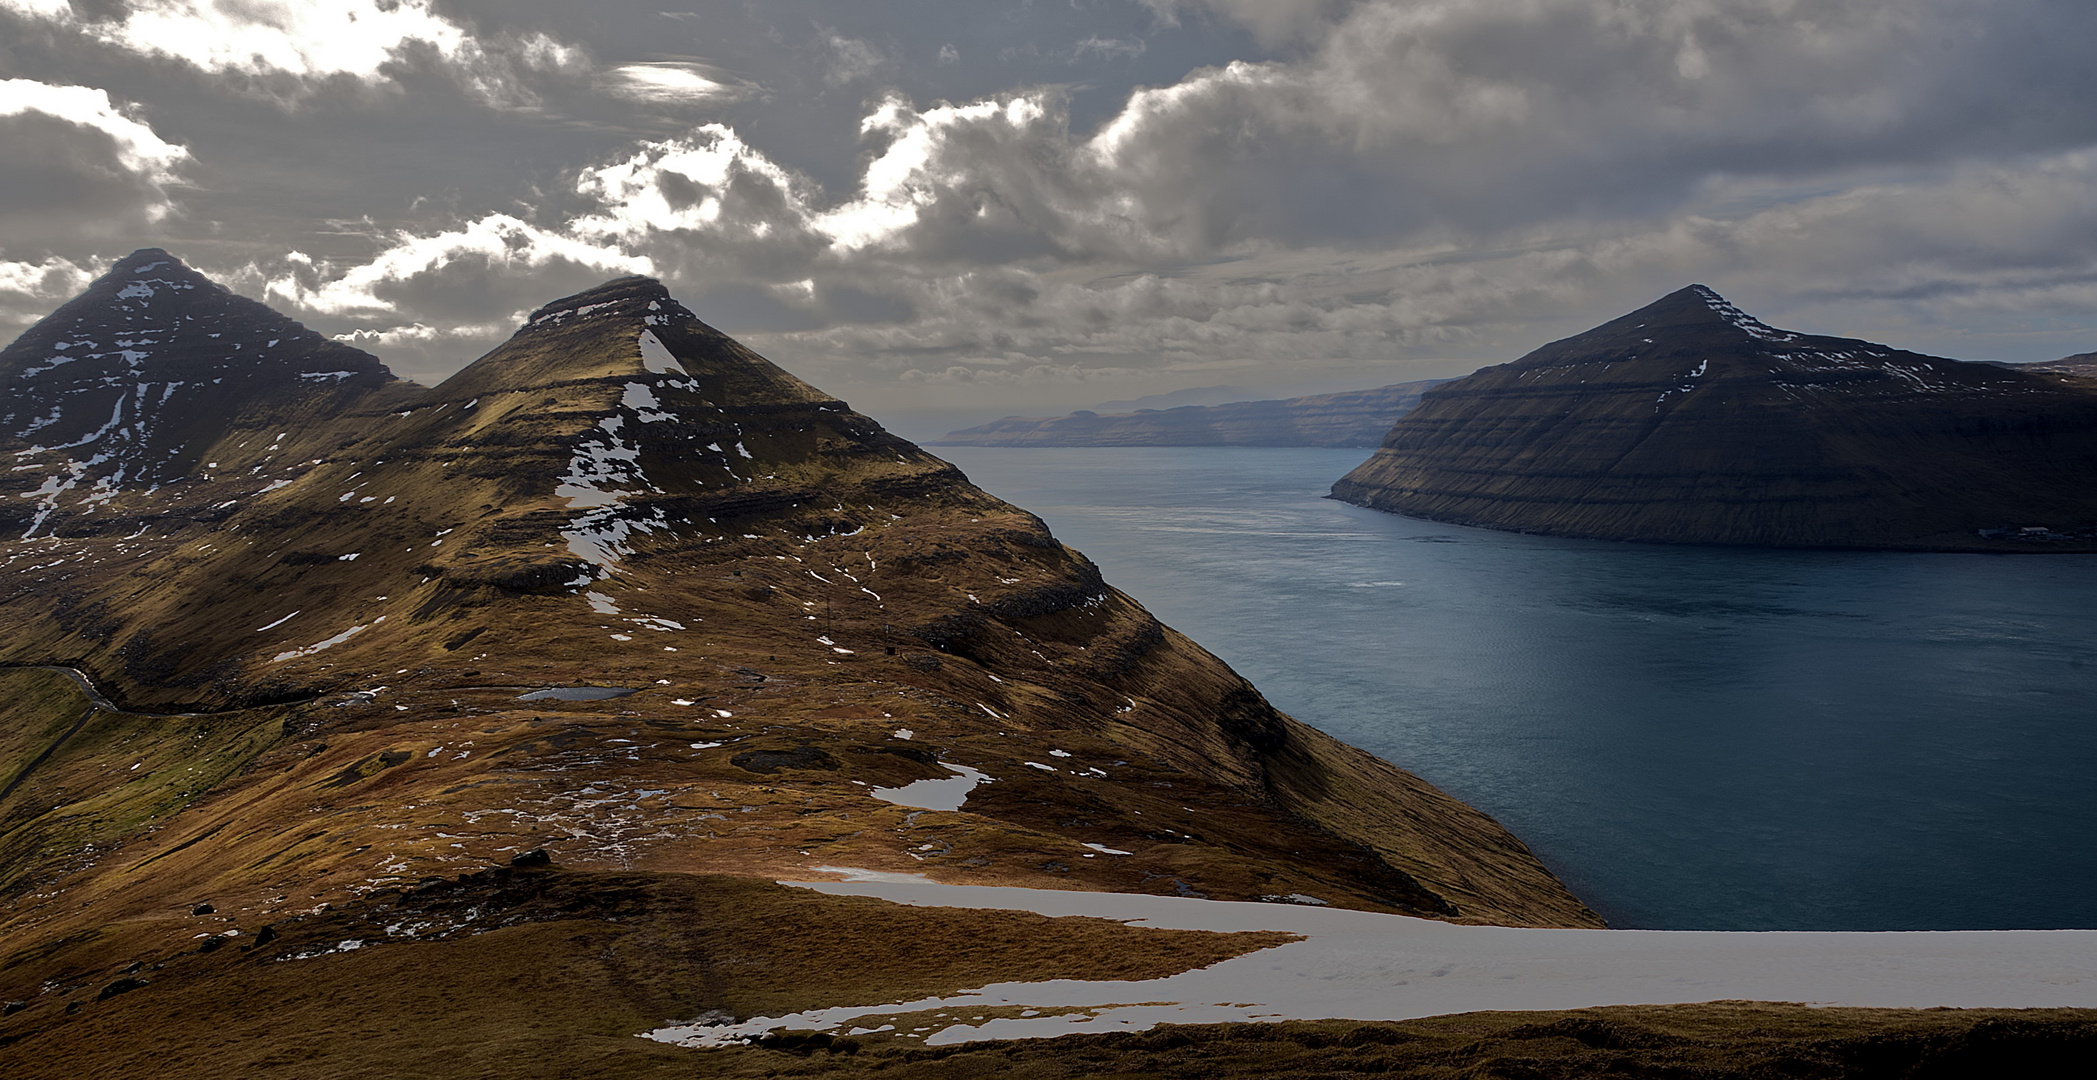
[1702, 306]
[634, 296]
[130, 383]
[612, 330]
[146, 259]
[627, 327]
[147, 265]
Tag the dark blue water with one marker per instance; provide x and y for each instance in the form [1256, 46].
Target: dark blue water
[1692, 738]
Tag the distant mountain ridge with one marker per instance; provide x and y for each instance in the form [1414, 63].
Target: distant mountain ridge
[1193, 395]
[2081, 365]
[1351, 418]
[1689, 421]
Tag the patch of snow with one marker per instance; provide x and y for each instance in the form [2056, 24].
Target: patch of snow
[1755, 328]
[655, 356]
[1105, 850]
[278, 623]
[641, 399]
[322, 646]
[563, 315]
[947, 793]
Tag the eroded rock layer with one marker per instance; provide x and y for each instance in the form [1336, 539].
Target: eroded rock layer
[1688, 421]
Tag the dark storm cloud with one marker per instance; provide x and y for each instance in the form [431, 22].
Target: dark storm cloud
[982, 196]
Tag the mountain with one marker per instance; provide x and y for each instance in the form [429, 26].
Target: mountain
[1354, 418]
[129, 384]
[2081, 365]
[1194, 395]
[325, 690]
[1688, 421]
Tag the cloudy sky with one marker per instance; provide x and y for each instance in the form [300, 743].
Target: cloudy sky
[963, 209]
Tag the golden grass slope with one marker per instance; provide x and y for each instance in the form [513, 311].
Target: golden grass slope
[319, 665]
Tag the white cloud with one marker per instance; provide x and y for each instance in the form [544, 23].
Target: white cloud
[29, 290]
[299, 37]
[921, 163]
[76, 165]
[423, 334]
[53, 278]
[139, 149]
[675, 82]
[1417, 188]
[427, 272]
[310, 39]
[719, 197]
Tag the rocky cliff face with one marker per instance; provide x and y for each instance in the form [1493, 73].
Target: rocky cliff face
[1354, 418]
[621, 591]
[1688, 421]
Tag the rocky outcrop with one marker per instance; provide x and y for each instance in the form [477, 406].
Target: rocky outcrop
[1354, 418]
[1688, 421]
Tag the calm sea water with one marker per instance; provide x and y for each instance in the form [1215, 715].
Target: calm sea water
[1692, 738]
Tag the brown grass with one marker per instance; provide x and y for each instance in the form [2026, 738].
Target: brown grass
[579, 965]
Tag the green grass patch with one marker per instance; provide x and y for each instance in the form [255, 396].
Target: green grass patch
[78, 779]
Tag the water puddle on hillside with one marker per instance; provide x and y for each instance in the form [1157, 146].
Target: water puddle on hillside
[942, 794]
[578, 693]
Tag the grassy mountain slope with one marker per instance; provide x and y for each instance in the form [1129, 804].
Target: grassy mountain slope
[325, 646]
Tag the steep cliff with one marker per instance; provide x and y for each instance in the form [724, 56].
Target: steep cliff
[1688, 421]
